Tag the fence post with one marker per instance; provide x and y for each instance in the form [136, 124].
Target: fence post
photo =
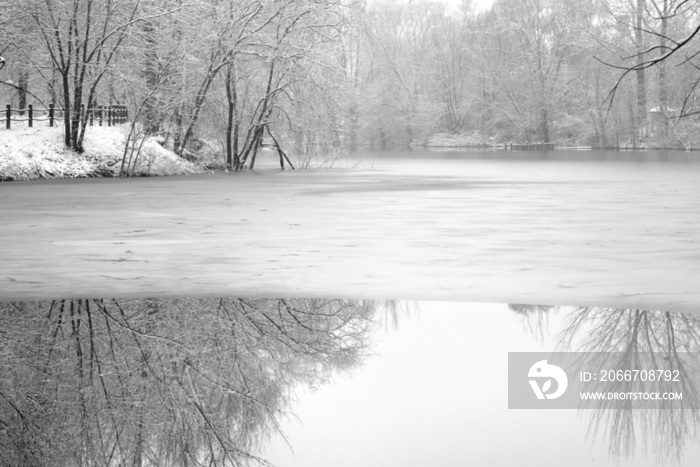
[31, 115]
[51, 115]
[8, 116]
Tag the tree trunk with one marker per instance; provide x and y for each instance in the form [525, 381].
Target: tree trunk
[633, 123]
[52, 87]
[177, 133]
[66, 109]
[353, 119]
[215, 64]
[22, 84]
[233, 125]
[641, 77]
[544, 124]
[150, 73]
[663, 91]
[76, 118]
[254, 134]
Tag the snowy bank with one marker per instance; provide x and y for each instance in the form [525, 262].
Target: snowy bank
[32, 153]
[445, 140]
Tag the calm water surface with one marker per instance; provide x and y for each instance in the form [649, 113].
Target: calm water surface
[650, 156]
[186, 381]
[435, 392]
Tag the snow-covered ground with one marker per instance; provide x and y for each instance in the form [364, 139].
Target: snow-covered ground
[445, 140]
[601, 233]
[31, 153]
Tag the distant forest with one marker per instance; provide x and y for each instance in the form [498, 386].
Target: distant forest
[314, 75]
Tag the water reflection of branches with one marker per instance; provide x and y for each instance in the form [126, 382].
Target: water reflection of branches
[639, 339]
[162, 382]
[534, 318]
[392, 312]
[632, 340]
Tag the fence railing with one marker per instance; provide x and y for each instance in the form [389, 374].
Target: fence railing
[102, 114]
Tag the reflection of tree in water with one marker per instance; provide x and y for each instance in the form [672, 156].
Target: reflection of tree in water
[533, 317]
[635, 340]
[185, 382]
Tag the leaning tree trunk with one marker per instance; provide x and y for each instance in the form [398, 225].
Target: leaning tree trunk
[216, 62]
[255, 131]
[280, 152]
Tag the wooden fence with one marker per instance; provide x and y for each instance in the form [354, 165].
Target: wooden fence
[108, 115]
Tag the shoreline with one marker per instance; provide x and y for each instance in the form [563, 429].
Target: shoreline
[39, 154]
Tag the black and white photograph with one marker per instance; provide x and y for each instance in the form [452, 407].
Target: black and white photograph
[376, 233]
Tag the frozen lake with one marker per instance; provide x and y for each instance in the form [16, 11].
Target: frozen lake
[575, 228]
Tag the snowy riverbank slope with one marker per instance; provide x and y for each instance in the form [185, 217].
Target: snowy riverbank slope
[33, 153]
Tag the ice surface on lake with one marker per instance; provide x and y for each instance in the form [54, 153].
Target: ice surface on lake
[602, 232]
